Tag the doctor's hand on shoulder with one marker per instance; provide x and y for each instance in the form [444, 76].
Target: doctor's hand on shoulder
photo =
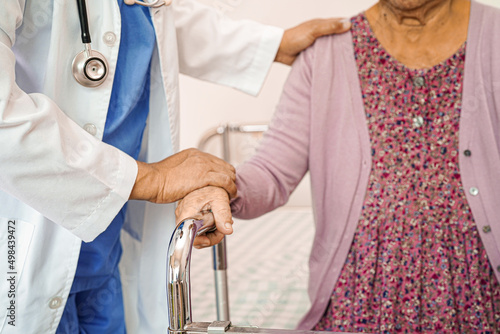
[173, 178]
[299, 38]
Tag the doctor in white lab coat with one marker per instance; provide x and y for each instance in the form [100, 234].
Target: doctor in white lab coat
[59, 184]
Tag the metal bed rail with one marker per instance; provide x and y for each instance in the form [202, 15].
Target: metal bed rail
[225, 131]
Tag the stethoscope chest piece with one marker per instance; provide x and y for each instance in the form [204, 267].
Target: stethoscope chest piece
[90, 67]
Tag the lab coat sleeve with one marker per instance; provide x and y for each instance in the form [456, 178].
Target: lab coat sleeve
[215, 48]
[47, 161]
[266, 181]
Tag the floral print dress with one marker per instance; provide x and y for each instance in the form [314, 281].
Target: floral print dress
[417, 263]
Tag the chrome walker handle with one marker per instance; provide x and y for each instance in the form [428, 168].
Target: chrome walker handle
[178, 269]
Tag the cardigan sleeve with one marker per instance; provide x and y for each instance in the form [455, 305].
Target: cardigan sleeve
[266, 181]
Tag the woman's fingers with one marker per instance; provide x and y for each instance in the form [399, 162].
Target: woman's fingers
[200, 201]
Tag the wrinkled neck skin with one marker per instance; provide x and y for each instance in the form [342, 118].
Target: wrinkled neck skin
[413, 14]
[420, 33]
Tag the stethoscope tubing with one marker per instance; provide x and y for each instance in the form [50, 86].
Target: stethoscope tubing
[84, 22]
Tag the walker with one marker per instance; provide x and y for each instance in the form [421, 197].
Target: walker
[179, 289]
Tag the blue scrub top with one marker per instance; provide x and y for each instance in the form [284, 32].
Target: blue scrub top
[125, 123]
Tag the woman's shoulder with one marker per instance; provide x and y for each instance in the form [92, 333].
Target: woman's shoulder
[325, 42]
[485, 14]
[337, 39]
[484, 28]
[329, 48]
[334, 45]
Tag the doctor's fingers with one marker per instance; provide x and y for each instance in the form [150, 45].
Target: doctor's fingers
[323, 27]
[193, 155]
[202, 164]
[298, 38]
[177, 183]
[177, 180]
[222, 180]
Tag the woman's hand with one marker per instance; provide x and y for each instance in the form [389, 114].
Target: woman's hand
[302, 36]
[213, 199]
[172, 179]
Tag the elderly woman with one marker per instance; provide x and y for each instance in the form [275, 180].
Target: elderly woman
[398, 123]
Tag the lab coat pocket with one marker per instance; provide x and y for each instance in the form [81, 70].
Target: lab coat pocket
[15, 239]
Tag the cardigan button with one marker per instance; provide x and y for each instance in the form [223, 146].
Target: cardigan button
[474, 191]
[419, 82]
[418, 121]
[487, 229]
[467, 153]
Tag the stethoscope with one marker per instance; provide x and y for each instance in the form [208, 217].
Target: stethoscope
[90, 68]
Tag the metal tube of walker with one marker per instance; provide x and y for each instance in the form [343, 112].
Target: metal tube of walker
[219, 251]
[221, 285]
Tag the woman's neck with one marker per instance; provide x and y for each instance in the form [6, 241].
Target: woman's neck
[417, 15]
[420, 36]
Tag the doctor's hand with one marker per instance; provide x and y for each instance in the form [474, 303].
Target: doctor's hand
[302, 36]
[172, 179]
[209, 198]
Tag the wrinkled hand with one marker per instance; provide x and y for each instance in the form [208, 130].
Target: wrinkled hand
[302, 36]
[173, 178]
[208, 198]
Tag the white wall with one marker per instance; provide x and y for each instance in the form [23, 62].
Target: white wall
[214, 105]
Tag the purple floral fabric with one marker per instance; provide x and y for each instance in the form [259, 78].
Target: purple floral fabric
[417, 263]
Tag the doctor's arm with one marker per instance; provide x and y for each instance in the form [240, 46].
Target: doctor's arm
[50, 163]
[239, 53]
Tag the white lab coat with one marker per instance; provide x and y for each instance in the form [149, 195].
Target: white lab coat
[59, 184]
